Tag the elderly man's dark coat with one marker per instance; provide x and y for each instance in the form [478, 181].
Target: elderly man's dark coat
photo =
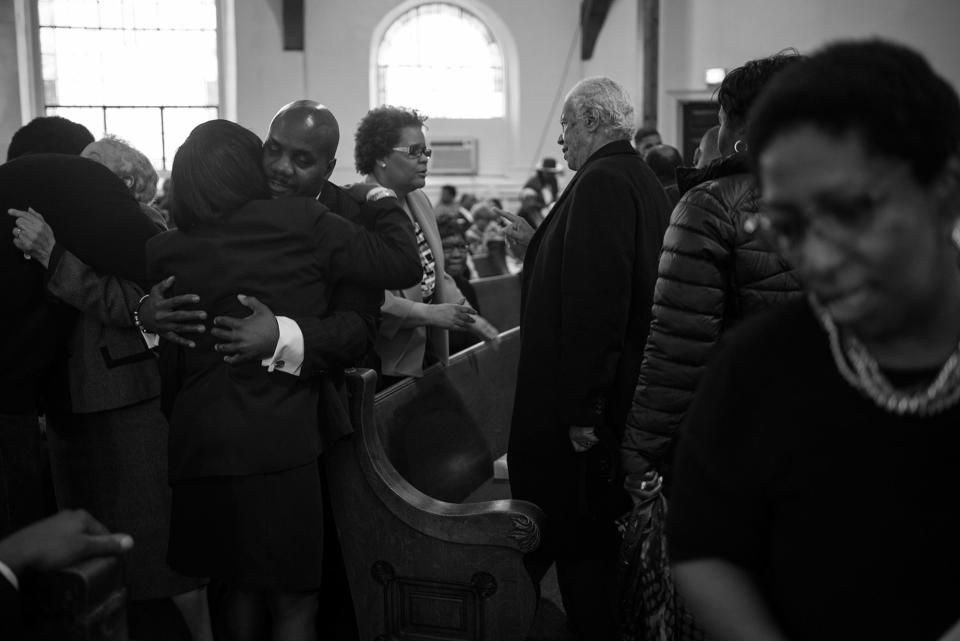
[588, 281]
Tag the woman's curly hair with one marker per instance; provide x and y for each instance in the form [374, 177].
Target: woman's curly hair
[379, 132]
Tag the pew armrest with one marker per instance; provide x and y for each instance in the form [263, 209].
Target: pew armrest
[510, 523]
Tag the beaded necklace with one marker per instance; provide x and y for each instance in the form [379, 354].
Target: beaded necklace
[862, 372]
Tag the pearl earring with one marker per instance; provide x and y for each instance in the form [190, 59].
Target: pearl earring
[383, 164]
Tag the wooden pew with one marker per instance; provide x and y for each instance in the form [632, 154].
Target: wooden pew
[423, 560]
[499, 299]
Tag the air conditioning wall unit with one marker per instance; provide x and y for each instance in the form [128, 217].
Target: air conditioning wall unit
[454, 156]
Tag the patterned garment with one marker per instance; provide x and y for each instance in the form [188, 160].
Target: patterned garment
[428, 283]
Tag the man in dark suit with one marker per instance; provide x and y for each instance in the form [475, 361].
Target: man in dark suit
[587, 287]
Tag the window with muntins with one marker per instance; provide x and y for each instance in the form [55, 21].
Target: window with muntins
[143, 70]
[443, 61]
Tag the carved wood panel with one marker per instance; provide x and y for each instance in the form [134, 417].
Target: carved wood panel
[423, 610]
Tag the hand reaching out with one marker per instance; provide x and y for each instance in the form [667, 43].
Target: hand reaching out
[60, 540]
[451, 316]
[518, 233]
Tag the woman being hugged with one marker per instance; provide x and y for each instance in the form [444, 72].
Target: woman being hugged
[244, 438]
[816, 494]
[391, 152]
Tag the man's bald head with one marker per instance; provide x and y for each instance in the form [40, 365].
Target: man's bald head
[301, 147]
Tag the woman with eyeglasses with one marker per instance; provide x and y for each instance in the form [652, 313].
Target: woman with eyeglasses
[391, 151]
[712, 274]
[816, 492]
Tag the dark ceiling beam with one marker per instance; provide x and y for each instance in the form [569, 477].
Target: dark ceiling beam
[593, 13]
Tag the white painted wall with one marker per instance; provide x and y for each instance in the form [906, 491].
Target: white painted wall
[10, 96]
[695, 35]
[334, 69]
[698, 34]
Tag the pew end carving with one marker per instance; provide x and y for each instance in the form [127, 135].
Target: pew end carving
[421, 567]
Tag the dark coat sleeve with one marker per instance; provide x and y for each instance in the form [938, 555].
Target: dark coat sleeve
[11, 613]
[595, 286]
[688, 314]
[344, 336]
[384, 258]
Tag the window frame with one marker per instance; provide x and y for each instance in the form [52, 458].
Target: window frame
[498, 28]
[30, 70]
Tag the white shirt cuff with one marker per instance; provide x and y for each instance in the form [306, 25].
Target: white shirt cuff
[288, 356]
[150, 339]
[9, 575]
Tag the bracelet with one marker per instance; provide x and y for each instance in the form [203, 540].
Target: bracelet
[136, 315]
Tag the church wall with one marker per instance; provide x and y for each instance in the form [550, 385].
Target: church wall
[698, 34]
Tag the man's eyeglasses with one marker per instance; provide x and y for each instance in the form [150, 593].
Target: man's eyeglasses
[415, 151]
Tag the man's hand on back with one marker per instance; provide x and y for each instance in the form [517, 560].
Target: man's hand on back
[163, 316]
[253, 337]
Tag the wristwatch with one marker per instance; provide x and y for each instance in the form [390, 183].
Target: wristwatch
[378, 193]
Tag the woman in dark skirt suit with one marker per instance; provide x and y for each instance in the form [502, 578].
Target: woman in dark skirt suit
[244, 439]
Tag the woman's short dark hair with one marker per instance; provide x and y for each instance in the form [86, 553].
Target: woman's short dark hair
[49, 135]
[379, 132]
[741, 86]
[448, 226]
[216, 170]
[884, 92]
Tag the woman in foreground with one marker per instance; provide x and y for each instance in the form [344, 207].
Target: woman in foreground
[816, 493]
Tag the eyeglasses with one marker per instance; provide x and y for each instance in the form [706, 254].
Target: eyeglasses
[837, 218]
[415, 151]
[459, 247]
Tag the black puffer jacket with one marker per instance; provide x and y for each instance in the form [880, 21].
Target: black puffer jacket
[712, 273]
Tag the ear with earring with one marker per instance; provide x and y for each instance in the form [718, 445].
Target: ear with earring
[383, 164]
[739, 146]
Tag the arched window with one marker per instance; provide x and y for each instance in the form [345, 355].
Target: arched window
[443, 60]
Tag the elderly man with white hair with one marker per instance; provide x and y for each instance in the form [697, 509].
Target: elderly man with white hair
[587, 286]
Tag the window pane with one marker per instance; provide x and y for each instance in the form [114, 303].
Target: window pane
[114, 55]
[443, 61]
[177, 125]
[91, 118]
[140, 128]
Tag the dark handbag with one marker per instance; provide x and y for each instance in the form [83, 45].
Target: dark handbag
[650, 608]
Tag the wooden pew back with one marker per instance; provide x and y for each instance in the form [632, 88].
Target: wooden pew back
[499, 300]
[420, 567]
[442, 431]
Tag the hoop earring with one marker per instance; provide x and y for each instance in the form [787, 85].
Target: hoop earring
[739, 146]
